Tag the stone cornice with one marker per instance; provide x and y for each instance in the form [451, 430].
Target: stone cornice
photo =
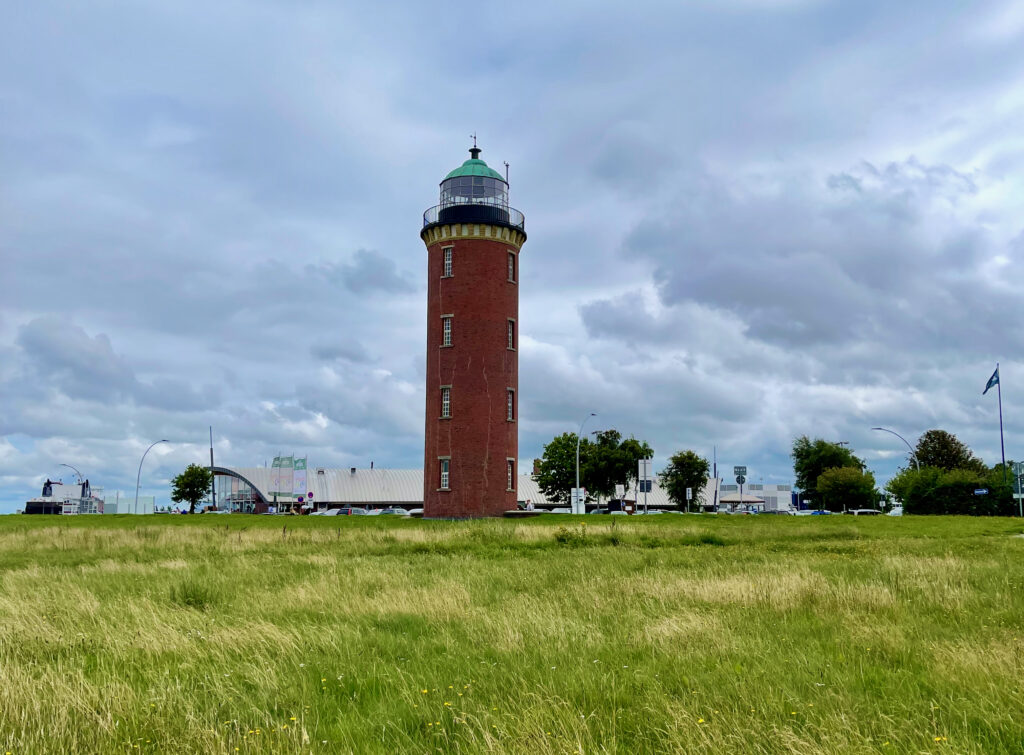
[439, 232]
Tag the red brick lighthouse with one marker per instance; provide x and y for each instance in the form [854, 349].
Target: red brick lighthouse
[471, 441]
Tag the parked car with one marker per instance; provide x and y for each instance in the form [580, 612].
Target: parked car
[598, 511]
[416, 512]
[896, 511]
[395, 511]
[864, 512]
[561, 510]
[347, 511]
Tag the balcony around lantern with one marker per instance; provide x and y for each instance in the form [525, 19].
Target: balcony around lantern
[475, 212]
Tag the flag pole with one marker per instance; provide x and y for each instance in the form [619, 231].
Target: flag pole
[1002, 447]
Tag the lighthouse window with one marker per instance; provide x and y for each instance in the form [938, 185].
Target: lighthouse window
[512, 334]
[511, 473]
[446, 330]
[511, 405]
[445, 466]
[446, 402]
[512, 267]
[447, 272]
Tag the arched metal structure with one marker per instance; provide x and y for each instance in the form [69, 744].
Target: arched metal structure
[259, 499]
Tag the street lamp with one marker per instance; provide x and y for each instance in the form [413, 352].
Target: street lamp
[912, 454]
[76, 471]
[578, 436]
[139, 475]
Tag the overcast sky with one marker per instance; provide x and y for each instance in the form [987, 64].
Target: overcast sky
[748, 220]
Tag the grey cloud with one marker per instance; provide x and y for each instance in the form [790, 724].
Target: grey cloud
[372, 271]
[876, 255]
[350, 351]
[64, 357]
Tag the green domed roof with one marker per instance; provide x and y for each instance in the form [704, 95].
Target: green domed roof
[474, 166]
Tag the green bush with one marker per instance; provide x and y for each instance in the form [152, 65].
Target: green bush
[194, 593]
[933, 491]
[571, 536]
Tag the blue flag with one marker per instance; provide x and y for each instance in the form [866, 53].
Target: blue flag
[994, 380]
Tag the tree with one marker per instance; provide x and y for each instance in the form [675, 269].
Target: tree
[931, 490]
[685, 469]
[556, 469]
[612, 461]
[811, 458]
[603, 464]
[844, 488]
[943, 450]
[192, 485]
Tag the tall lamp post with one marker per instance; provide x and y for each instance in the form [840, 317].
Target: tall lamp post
[139, 475]
[80, 478]
[913, 455]
[578, 436]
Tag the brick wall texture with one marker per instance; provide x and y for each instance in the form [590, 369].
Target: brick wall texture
[480, 368]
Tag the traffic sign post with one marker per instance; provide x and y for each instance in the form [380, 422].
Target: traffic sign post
[741, 477]
[643, 478]
[578, 500]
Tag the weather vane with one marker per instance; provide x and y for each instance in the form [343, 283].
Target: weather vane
[474, 138]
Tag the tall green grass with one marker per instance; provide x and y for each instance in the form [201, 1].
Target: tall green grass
[552, 635]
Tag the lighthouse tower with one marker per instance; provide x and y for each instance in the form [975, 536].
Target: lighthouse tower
[471, 440]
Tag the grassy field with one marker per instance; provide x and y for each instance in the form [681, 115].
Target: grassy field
[697, 634]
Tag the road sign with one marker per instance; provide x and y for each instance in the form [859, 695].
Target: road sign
[740, 479]
[644, 486]
[578, 500]
[981, 491]
[739, 471]
[620, 491]
[689, 494]
[644, 469]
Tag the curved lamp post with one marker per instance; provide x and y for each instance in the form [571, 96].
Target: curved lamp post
[139, 475]
[578, 436]
[893, 432]
[80, 478]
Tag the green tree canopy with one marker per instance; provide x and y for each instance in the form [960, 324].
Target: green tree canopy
[686, 469]
[613, 461]
[604, 463]
[943, 450]
[191, 486]
[932, 490]
[812, 457]
[556, 469]
[844, 488]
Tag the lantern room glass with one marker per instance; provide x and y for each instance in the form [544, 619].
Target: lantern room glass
[474, 190]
